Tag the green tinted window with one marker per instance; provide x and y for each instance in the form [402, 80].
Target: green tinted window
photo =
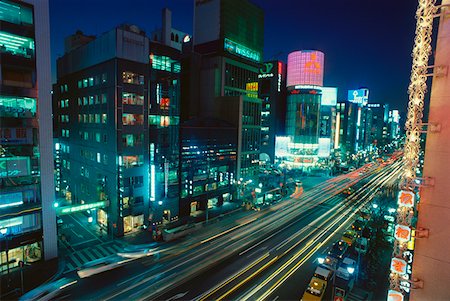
[16, 45]
[15, 13]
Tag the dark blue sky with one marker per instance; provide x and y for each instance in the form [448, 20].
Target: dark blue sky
[366, 42]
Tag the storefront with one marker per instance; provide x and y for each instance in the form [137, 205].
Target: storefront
[102, 218]
[28, 254]
[132, 223]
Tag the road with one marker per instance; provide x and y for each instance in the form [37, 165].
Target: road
[249, 257]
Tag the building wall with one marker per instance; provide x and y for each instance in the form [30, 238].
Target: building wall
[431, 254]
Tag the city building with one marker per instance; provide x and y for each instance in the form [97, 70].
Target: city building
[304, 82]
[327, 127]
[101, 128]
[27, 217]
[272, 92]
[167, 35]
[376, 123]
[228, 44]
[208, 165]
[427, 254]
[164, 131]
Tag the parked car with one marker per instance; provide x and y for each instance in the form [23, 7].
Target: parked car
[358, 225]
[361, 245]
[349, 237]
[338, 249]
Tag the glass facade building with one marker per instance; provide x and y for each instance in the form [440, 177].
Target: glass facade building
[24, 184]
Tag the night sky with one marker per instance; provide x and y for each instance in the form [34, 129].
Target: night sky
[366, 42]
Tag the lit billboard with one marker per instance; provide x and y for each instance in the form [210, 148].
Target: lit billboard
[14, 167]
[241, 50]
[360, 96]
[324, 147]
[305, 67]
[329, 96]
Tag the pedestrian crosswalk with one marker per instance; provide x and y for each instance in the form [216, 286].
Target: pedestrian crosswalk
[78, 258]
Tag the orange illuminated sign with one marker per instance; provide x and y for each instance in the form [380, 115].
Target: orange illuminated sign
[394, 296]
[398, 266]
[164, 103]
[252, 86]
[313, 66]
[406, 198]
[402, 233]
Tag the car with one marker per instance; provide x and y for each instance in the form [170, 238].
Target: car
[348, 191]
[346, 268]
[101, 265]
[349, 237]
[358, 225]
[323, 273]
[338, 249]
[361, 245]
[366, 233]
[328, 262]
[315, 290]
[48, 291]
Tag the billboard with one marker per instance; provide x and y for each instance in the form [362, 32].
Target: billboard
[360, 96]
[324, 147]
[14, 167]
[305, 68]
[329, 96]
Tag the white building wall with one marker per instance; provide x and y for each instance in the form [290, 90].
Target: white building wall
[43, 64]
[432, 255]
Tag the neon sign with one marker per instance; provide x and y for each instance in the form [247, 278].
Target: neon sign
[14, 167]
[266, 71]
[241, 50]
[406, 198]
[76, 208]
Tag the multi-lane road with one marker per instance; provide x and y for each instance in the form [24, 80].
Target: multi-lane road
[264, 255]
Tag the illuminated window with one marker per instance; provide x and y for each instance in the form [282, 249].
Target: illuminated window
[16, 13]
[104, 118]
[16, 45]
[132, 98]
[132, 78]
[19, 107]
[132, 161]
[165, 63]
[132, 119]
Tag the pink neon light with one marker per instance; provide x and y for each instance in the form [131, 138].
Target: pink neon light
[305, 68]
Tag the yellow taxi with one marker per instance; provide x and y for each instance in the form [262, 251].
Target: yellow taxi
[349, 237]
[315, 290]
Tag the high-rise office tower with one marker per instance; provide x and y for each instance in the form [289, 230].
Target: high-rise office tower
[304, 82]
[228, 34]
[272, 92]
[116, 124]
[27, 218]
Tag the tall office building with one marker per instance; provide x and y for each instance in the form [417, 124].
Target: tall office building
[376, 123]
[228, 34]
[116, 123]
[272, 92]
[304, 82]
[27, 218]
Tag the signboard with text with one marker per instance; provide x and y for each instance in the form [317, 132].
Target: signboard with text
[14, 167]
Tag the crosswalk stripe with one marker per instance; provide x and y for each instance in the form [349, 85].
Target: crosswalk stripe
[111, 250]
[97, 253]
[117, 248]
[75, 260]
[102, 251]
[89, 255]
[70, 266]
[82, 257]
